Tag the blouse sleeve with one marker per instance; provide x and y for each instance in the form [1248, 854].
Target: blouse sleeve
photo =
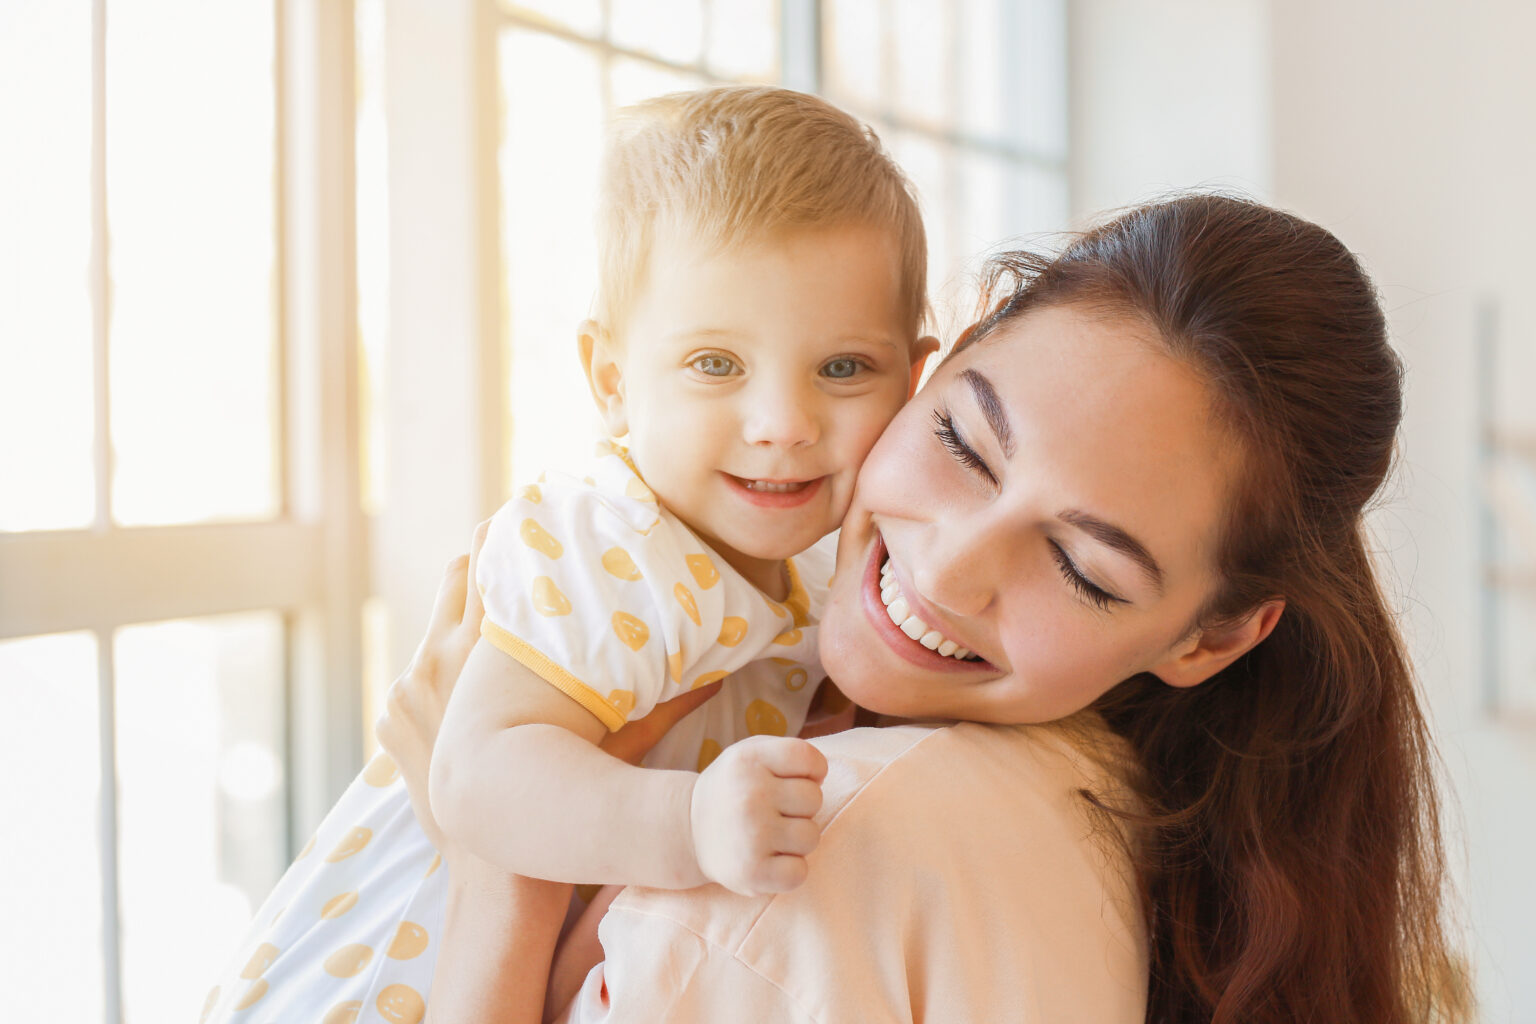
[597, 591]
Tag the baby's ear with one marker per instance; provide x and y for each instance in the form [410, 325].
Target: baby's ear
[605, 375]
[922, 350]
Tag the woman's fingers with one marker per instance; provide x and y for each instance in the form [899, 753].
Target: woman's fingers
[474, 607]
[448, 607]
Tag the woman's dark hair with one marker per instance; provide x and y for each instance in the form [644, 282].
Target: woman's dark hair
[1289, 851]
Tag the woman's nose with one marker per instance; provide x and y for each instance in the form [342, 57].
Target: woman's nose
[959, 565]
[781, 415]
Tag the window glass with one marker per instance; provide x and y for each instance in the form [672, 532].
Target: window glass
[51, 805]
[201, 791]
[47, 413]
[743, 39]
[670, 29]
[189, 159]
[548, 165]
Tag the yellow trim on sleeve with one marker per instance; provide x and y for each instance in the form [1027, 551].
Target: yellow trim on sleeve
[546, 669]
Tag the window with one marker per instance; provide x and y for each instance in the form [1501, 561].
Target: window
[265, 356]
[180, 535]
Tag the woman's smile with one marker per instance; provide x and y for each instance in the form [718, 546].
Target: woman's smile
[882, 592]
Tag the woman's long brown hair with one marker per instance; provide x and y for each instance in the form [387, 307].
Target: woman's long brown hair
[1290, 850]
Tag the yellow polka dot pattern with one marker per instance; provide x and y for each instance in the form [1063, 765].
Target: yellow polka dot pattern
[348, 961]
[381, 771]
[343, 1013]
[350, 844]
[410, 941]
[338, 905]
[401, 1004]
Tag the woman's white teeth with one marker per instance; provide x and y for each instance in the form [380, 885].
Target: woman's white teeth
[901, 614]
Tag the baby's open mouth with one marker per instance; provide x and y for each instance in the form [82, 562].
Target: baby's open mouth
[773, 486]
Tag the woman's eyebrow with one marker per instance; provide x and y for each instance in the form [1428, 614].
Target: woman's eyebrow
[1113, 536]
[991, 408]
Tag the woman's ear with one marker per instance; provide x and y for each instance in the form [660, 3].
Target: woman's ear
[922, 350]
[1207, 651]
[605, 375]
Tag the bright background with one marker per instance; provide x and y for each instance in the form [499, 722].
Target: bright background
[287, 290]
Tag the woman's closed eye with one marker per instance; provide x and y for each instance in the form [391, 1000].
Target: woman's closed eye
[1090, 591]
[964, 454]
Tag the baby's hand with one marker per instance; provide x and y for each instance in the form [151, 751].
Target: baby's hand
[751, 814]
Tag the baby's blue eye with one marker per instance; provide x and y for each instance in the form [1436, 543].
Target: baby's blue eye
[841, 369]
[714, 366]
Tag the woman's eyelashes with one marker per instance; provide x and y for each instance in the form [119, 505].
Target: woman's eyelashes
[963, 453]
[1090, 591]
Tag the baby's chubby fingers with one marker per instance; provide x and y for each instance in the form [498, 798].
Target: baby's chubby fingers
[797, 837]
[788, 757]
[797, 798]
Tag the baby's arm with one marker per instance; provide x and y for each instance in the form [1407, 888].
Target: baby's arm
[518, 779]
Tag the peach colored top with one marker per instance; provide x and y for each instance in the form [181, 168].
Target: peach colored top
[960, 878]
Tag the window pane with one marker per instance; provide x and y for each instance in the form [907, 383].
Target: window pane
[982, 44]
[635, 80]
[922, 52]
[46, 409]
[583, 16]
[547, 240]
[190, 200]
[372, 247]
[1037, 70]
[670, 29]
[201, 794]
[928, 164]
[744, 39]
[854, 43]
[51, 806]
[1037, 201]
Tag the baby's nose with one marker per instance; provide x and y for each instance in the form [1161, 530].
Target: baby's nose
[782, 417]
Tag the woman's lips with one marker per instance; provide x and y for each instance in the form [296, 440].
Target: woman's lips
[774, 493]
[901, 644]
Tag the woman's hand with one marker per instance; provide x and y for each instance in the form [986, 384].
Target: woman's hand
[413, 710]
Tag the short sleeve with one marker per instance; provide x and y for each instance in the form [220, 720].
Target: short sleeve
[597, 590]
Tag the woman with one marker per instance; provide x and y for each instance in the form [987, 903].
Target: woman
[1134, 490]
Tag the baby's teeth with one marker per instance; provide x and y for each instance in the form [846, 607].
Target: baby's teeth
[931, 639]
[898, 610]
[914, 627]
[948, 647]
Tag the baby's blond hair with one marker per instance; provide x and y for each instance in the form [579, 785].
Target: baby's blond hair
[734, 164]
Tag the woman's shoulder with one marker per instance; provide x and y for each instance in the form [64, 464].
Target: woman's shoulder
[961, 873]
[945, 761]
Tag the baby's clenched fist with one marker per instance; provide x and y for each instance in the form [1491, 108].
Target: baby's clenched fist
[752, 814]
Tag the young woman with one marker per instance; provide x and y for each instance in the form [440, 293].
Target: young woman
[1134, 491]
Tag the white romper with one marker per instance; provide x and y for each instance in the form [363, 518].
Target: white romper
[604, 594]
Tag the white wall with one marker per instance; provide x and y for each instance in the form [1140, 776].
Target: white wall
[1410, 130]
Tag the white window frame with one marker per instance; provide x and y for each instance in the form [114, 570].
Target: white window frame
[309, 563]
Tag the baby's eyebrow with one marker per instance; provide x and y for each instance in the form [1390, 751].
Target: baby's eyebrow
[991, 408]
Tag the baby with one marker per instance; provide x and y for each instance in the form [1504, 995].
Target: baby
[757, 326]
